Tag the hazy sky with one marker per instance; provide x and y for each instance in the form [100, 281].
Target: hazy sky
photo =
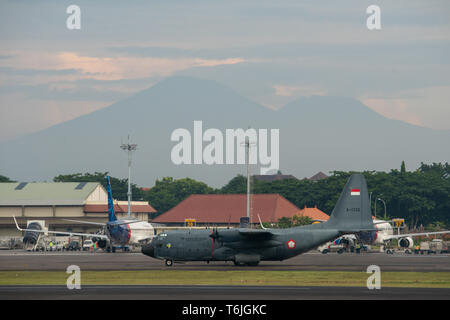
[270, 51]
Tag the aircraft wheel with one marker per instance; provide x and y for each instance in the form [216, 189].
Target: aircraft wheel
[168, 262]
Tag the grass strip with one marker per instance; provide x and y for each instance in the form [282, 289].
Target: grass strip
[253, 278]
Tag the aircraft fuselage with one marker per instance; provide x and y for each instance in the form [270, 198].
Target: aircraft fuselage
[231, 245]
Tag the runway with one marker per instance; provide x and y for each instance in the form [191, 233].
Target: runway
[313, 261]
[228, 293]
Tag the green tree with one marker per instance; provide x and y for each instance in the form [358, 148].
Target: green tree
[284, 222]
[5, 179]
[119, 186]
[421, 197]
[169, 192]
[301, 220]
[403, 168]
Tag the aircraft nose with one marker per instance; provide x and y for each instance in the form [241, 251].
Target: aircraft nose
[148, 250]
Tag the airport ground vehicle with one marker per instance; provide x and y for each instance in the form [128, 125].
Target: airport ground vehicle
[331, 247]
[87, 245]
[9, 243]
[434, 246]
[56, 246]
[73, 246]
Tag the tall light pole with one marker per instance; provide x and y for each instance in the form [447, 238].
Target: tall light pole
[247, 150]
[384, 207]
[129, 148]
[375, 210]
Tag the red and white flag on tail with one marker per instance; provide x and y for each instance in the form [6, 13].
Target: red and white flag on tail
[355, 192]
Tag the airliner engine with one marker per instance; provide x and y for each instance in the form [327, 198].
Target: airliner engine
[406, 242]
[31, 238]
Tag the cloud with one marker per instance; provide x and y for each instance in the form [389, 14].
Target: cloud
[428, 106]
[393, 109]
[37, 72]
[106, 67]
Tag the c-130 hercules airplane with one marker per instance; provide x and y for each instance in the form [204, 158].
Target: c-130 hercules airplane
[245, 246]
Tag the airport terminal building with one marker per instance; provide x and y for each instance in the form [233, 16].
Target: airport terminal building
[55, 201]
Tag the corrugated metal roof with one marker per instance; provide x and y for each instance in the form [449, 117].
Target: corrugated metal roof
[118, 208]
[224, 208]
[45, 193]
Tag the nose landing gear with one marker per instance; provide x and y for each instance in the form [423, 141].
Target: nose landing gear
[168, 263]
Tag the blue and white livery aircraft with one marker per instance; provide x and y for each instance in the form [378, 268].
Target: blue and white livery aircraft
[114, 232]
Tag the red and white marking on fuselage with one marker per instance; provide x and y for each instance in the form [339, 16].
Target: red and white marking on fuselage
[291, 244]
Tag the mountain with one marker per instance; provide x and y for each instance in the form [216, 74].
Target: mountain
[316, 134]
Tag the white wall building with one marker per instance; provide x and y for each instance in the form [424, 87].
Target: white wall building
[54, 201]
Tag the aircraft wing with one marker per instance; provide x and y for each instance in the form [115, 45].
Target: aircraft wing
[399, 236]
[86, 222]
[104, 224]
[256, 234]
[101, 236]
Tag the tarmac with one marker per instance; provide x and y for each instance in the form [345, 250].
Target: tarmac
[228, 293]
[312, 261]
[20, 260]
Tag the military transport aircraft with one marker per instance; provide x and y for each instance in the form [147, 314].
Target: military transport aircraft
[245, 246]
[114, 232]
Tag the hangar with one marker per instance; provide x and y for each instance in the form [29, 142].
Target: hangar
[226, 209]
[51, 201]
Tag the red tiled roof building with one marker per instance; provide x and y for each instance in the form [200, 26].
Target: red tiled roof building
[227, 209]
[314, 213]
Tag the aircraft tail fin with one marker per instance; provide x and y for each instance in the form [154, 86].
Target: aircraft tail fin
[111, 214]
[352, 211]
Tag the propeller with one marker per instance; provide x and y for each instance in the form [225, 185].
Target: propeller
[215, 235]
